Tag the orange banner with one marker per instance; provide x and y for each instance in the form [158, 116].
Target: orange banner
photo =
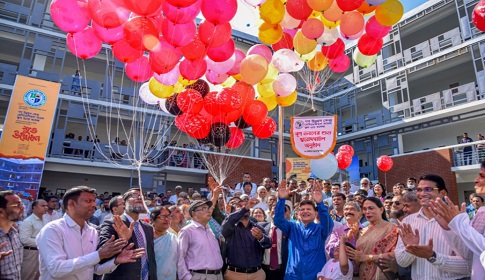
[28, 123]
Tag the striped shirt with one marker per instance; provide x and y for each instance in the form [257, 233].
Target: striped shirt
[10, 266]
[449, 265]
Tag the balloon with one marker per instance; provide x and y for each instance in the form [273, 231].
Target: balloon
[308, 56]
[171, 105]
[181, 3]
[368, 45]
[169, 78]
[195, 50]
[221, 67]
[215, 78]
[160, 90]
[262, 50]
[146, 95]
[346, 149]
[254, 112]
[270, 75]
[340, 64]
[124, 52]
[384, 163]
[375, 30]
[389, 13]
[265, 129]
[302, 44]
[286, 60]
[108, 35]
[253, 68]
[375, 2]
[237, 137]
[286, 42]
[211, 105]
[197, 126]
[334, 50]
[214, 35]
[240, 123]
[324, 168]
[108, 13]
[219, 134]
[84, 44]
[289, 22]
[161, 105]
[269, 101]
[478, 16]
[143, 8]
[334, 13]
[363, 60]
[237, 64]
[284, 84]
[230, 99]
[349, 5]
[254, 3]
[365, 8]
[179, 14]
[219, 12]
[193, 70]
[190, 101]
[229, 82]
[222, 53]
[312, 28]
[180, 121]
[272, 11]
[141, 33]
[343, 159]
[70, 15]
[140, 70]
[164, 57]
[319, 5]
[318, 62]
[285, 101]
[298, 9]
[330, 24]
[200, 86]
[186, 82]
[351, 23]
[178, 35]
[329, 36]
[270, 33]
[246, 91]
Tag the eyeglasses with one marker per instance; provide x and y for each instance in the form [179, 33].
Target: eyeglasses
[204, 209]
[426, 190]
[163, 217]
[135, 195]
[20, 204]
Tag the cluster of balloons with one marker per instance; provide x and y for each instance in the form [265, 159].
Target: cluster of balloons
[326, 167]
[478, 16]
[384, 163]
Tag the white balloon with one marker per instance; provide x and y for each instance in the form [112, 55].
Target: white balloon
[285, 60]
[329, 36]
[284, 84]
[324, 168]
[289, 22]
[147, 96]
[221, 67]
[161, 104]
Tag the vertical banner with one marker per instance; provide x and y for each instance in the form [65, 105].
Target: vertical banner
[298, 168]
[313, 137]
[26, 133]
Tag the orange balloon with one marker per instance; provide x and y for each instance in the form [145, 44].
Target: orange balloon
[389, 12]
[334, 13]
[366, 8]
[319, 5]
[270, 33]
[302, 44]
[272, 11]
[318, 62]
[253, 69]
[351, 23]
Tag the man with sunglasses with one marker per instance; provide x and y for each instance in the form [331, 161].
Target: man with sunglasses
[423, 243]
[397, 210]
[11, 211]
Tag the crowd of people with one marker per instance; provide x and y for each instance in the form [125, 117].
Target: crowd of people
[295, 229]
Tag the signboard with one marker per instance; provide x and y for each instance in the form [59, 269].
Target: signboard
[298, 168]
[313, 137]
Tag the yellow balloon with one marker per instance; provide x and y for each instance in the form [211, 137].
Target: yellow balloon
[269, 101]
[302, 44]
[318, 62]
[271, 75]
[238, 77]
[315, 14]
[178, 87]
[158, 89]
[272, 11]
[308, 56]
[186, 82]
[270, 33]
[389, 12]
[286, 101]
[330, 24]
[229, 82]
[253, 69]
[265, 90]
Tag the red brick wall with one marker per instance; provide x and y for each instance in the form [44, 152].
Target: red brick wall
[437, 162]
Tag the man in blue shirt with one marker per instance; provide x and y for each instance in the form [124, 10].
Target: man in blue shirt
[307, 239]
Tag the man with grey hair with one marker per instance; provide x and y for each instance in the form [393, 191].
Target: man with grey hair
[365, 184]
[410, 203]
[28, 230]
[173, 198]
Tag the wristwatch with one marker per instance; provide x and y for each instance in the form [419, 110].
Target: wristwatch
[371, 258]
[432, 259]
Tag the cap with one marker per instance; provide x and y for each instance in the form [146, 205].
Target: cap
[198, 203]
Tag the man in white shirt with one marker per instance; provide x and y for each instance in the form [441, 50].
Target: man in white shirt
[116, 207]
[173, 198]
[28, 231]
[51, 214]
[67, 246]
[466, 236]
[103, 210]
[422, 242]
[247, 178]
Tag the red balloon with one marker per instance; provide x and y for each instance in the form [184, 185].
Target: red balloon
[233, 115]
[164, 57]
[140, 33]
[343, 159]
[181, 3]
[340, 64]
[247, 92]
[124, 52]
[195, 50]
[334, 50]
[192, 70]
[478, 16]
[178, 34]
[222, 53]
[180, 121]
[265, 129]
[347, 149]
[190, 101]
[140, 70]
[180, 15]
[230, 99]
[349, 5]
[197, 126]
[108, 13]
[236, 139]
[286, 42]
[219, 12]
[368, 45]
[384, 163]
[84, 44]
[143, 8]
[214, 35]
[211, 105]
[254, 112]
[298, 9]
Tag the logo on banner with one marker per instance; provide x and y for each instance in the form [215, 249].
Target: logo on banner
[313, 137]
[35, 98]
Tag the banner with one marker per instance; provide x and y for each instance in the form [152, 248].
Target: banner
[313, 137]
[26, 133]
[298, 168]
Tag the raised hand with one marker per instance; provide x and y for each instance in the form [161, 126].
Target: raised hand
[128, 256]
[251, 203]
[317, 192]
[354, 230]
[257, 233]
[447, 211]
[121, 229]
[111, 247]
[408, 237]
[283, 191]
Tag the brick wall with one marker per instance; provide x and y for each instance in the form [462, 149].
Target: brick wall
[437, 162]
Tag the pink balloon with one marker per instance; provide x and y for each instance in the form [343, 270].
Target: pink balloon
[375, 30]
[192, 70]
[70, 15]
[215, 78]
[312, 28]
[108, 35]
[262, 50]
[164, 57]
[124, 52]
[236, 67]
[140, 70]
[221, 67]
[181, 3]
[169, 78]
[340, 64]
[223, 52]
[291, 32]
[143, 8]
[181, 15]
[219, 12]
[108, 13]
[84, 44]
[178, 35]
[214, 35]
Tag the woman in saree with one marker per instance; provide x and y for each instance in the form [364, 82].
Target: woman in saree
[375, 243]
